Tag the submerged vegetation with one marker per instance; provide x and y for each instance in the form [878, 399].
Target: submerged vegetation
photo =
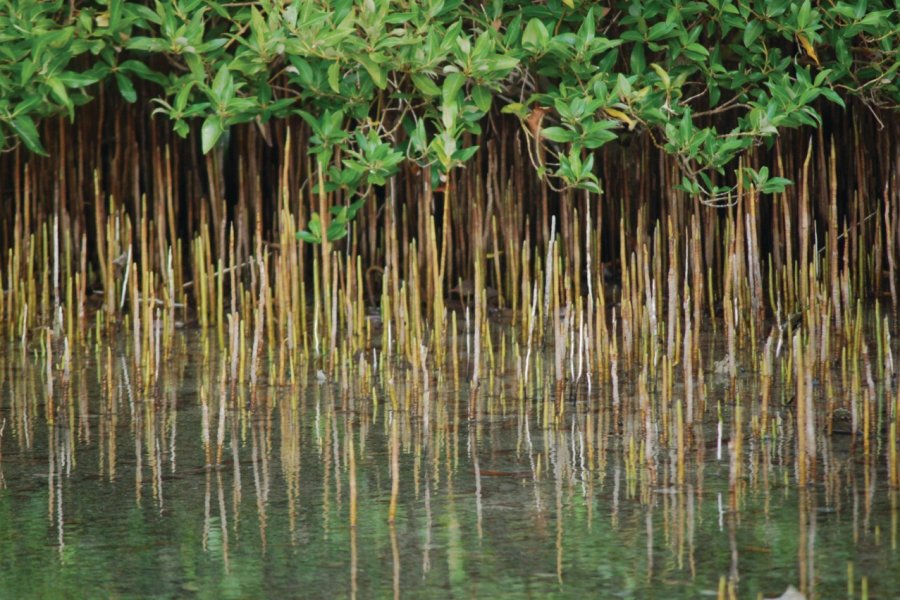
[449, 213]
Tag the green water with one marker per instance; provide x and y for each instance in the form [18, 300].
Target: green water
[113, 498]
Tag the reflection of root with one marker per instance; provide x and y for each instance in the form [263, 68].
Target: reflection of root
[560, 397]
[2, 478]
[473, 400]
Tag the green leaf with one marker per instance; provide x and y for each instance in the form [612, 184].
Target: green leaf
[211, 132]
[126, 88]
[660, 31]
[336, 231]
[378, 75]
[27, 105]
[833, 96]
[58, 90]
[223, 84]
[465, 154]
[183, 95]
[315, 225]
[142, 71]
[452, 84]
[515, 108]
[308, 237]
[181, 128]
[334, 77]
[558, 134]
[623, 85]
[27, 132]
[697, 49]
[147, 44]
[752, 32]
[425, 85]
[803, 15]
[73, 79]
[842, 53]
[638, 61]
[663, 76]
[536, 37]
[482, 98]
[776, 185]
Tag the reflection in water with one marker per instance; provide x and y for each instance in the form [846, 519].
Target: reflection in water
[377, 484]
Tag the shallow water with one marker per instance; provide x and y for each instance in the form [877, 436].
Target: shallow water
[195, 488]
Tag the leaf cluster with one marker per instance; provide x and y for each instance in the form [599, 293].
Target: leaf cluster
[380, 82]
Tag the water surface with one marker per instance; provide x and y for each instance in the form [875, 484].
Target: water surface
[192, 487]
